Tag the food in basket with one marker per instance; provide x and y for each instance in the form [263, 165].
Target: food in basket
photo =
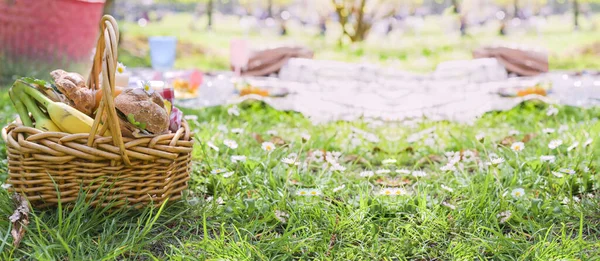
[249, 89]
[531, 90]
[74, 87]
[65, 117]
[141, 111]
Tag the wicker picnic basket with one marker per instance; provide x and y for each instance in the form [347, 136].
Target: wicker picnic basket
[52, 167]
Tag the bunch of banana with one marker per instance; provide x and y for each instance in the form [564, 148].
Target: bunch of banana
[62, 117]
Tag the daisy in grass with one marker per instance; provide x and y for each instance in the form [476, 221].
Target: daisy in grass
[218, 171]
[551, 111]
[588, 142]
[289, 161]
[558, 174]
[231, 144]
[392, 192]
[563, 128]
[403, 171]
[449, 189]
[308, 192]
[272, 132]
[448, 205]
[305, 137]
[514, 133]
[337, 167]
[228, 174]
[222, 128]
[517, 146]
[548, 130]
[554, 144]
[419, 174]
[268, 146]
[317, 155]
[468, 156]
[448, 167]
[382, 171]
[219, 201]
[366, 174]
[338, 188]
[121, 68]
[238, 158]
[388, 161]
[237, 130]
[548, 158]
[212, 146]
[281, 216]
[480, 136]
[496, 160]
[573, 146]
[233, 111]
[504, 216]
[6, 186]
[517, 193]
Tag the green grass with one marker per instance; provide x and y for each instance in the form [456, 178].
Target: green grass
[234, 218]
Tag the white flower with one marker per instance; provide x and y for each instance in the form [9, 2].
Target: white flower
[281, 216]
[567, 171]
[566, 201]
[504, 216]
[573, 146]
[430, 142]
[222, 128]
[6, 186]
[496, 160]
[448, 167]
[228, 174]
[231, 144]
[468, 156]
[563, 128]
[219, 201]
[449, 189]
[289, 161]
[366, 174]
[308, 192]
[419, 173]
[238, 158]
[382, 171]
[548, 158]
[268, 146]
[191, 117]
[388, 161]
[237, 130]
[233, 111]
[403, 171]
[448, 205]
[517, 146]
[587, 142]
[576, 199]
[392, 192]
[552, 111]
[336, 189]
[558, 174]
[554, 144]
[548, 130]
[514, 133]
[305, 137]
[121, 68]
[272, 132]
[218, 171]
[480, 136]
[212, 146]
[517, 193]
[317, 155]
[337, 167]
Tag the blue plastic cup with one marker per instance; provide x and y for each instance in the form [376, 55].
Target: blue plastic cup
[162, 51]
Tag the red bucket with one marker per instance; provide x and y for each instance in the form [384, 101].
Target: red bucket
[53, 31]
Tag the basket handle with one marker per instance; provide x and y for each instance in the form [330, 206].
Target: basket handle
[104, 65]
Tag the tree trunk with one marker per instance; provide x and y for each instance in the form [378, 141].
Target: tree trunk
[455, 7]
[516, 7]
[209, 13]
[270, 8]
[109, 7]
[576, 14]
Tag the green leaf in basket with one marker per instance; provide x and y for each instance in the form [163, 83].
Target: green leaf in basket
[31, 80]
[132, 120]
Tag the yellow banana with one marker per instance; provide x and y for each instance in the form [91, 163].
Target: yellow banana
[21, 110]
[67, 118]
[41, 120]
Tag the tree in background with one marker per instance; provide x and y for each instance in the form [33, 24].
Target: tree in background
[356, 17]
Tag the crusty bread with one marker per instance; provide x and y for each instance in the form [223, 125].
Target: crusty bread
[148, 108]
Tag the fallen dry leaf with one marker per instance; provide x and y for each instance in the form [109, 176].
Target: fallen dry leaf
[278, 141]
[528, 137]
[355, 158]
[430, 159]
[508, 140]
[258, 138]
[19, 219]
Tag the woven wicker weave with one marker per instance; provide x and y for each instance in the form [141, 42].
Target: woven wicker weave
[48, 167]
